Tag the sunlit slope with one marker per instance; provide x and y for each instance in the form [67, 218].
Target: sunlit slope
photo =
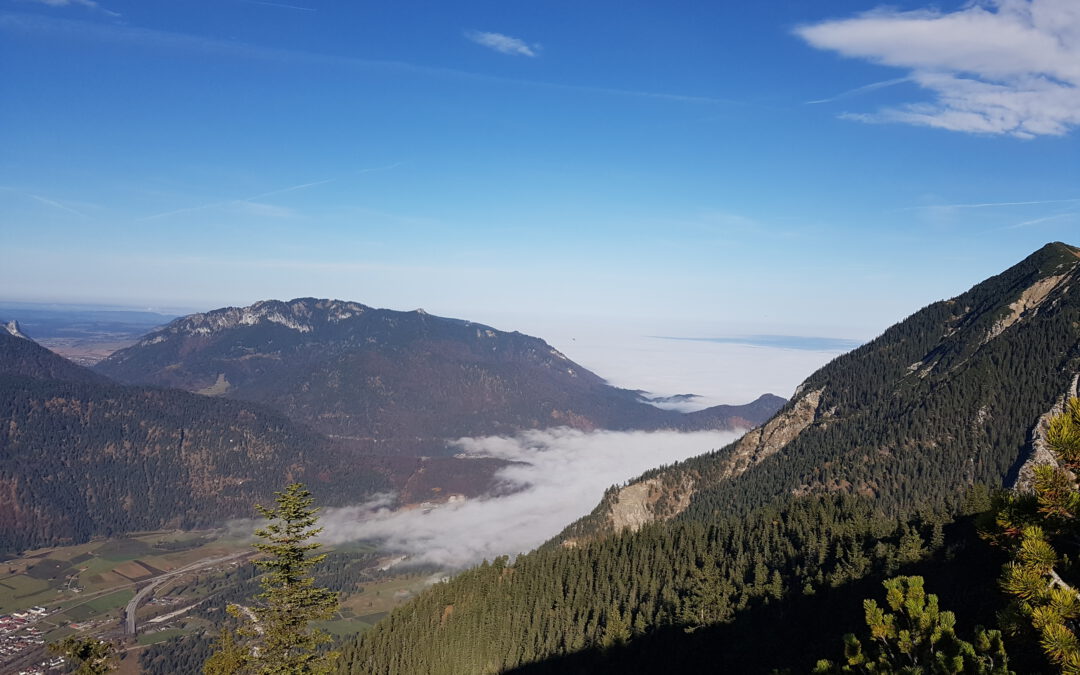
[852, 478]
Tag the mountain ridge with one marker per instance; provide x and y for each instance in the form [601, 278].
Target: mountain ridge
[855, 478]
[363, 374]
[1047, 275]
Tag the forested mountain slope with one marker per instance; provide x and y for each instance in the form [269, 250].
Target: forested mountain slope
[80, 456]
[19, 355]
[855, 477]
[394, 381]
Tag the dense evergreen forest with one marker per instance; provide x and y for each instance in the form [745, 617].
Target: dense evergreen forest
[904, 432]
[83, 457]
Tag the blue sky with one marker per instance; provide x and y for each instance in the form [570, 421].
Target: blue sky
[772, 167]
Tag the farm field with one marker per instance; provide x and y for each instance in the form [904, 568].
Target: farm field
[93, 581]
[85, 588]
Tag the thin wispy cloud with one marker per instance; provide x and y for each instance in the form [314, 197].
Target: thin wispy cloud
[278, 4]
[56, 205]
[89, 4]
[241, 202]
[157, 39]
[261, 210]
[993, 67]
[989, 205]
[1038, 221]
[46, 201]
[866, 88]
[504, 44]
[251, 205]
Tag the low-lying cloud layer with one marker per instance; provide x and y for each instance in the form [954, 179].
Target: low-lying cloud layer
[560, 475]
[996, 66]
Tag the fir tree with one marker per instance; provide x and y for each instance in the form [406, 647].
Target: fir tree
[279, 639]
[93, 657]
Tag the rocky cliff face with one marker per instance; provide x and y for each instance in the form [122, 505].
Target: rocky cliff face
[650, 500]
[13, 329]
[1040, 454]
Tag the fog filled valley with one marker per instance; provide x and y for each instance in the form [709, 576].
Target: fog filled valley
[487, 338]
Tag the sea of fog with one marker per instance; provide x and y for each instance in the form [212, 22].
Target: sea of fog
[559, 475]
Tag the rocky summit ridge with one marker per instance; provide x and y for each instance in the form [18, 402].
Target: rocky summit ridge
[394, 382]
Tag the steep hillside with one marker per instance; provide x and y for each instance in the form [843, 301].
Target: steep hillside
[19, 355]
[394, 381]
[80, 456]
[942, 399]
[854, 478]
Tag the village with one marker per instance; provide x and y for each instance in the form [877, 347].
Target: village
[18, 634]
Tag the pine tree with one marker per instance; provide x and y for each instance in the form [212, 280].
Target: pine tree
[917, 638]
[278, 638]
[94, 657]
[230, 655]
[1032, 525]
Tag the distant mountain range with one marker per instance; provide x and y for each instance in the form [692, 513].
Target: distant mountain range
[392, 381]
[348, 399]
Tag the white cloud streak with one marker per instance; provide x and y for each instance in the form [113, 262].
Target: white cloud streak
[945, 209]
[1038, 221]
[234, 202]
[157, 39]
[250, 204]
[504, 44]
[561, 474]
[873, 86]
[994, 66]
[56, 205]
[89, 4]
[277, 4]
[45, 200]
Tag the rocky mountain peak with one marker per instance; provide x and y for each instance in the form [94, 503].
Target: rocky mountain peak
[303, 315]
[12, 327]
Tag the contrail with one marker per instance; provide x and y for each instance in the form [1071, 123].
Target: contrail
[990, 204]
[277, 4]
[859, 90]
[56, 205]
[291, 188]
[48, 202]
[1036, 221]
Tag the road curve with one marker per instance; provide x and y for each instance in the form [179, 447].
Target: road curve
[133, 604]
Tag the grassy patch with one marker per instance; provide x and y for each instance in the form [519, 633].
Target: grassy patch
[22, 591]
[373, 618]
[119, 550]
[80, 613]
[111, 601]
[133, 570]
[48, 568]
[59, 634]
[160, 636]
[24, 585]
[383, 596]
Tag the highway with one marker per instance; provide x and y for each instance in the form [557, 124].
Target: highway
[133, 605]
